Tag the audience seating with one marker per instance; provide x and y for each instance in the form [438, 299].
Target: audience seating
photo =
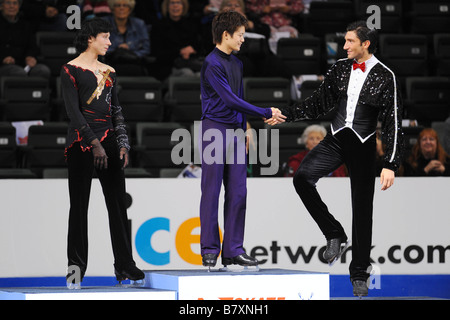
[391, 20]
[267, 92]
[405, 54]
[300, 55]
[154, 146]
[56, 48]
[441, 44]
[8, 147]
[183, 99]
[428, 98]
[45, 147]
[430, 16]
[414, 43]
[328, 16]
[25, 98]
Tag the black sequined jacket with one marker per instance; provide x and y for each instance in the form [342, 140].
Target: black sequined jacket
[379, 100]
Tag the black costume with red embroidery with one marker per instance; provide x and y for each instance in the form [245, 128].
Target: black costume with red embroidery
[94, 120]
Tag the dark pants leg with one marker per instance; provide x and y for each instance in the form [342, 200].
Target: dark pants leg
[326, 157]
[80, 165]
[360, 163]
[80, 168]
[233, 176]
[344, 147]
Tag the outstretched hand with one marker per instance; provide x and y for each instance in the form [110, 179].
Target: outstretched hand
[277, 117]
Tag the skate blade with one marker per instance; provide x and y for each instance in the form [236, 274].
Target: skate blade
[73, 286]
[238, 268]
[360, 296]
[133, 284]
[341, 252]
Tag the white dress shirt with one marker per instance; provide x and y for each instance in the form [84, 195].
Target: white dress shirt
[356, 82]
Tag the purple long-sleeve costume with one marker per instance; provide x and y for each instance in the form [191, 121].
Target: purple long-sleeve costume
[224, 109]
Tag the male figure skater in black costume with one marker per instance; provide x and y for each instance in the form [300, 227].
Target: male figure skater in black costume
[96, 138]
[362, 90]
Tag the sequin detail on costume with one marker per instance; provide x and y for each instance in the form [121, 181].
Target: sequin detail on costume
[379, 91]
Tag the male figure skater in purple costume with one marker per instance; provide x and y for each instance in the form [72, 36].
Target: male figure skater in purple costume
[224, 109]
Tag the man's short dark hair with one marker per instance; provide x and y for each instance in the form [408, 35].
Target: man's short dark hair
[364, 33]
[90, 28]
[228, 21]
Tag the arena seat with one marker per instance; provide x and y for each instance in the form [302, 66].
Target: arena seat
[25, 98]
[300, 55]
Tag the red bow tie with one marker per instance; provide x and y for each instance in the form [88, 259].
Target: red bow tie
[362, 66]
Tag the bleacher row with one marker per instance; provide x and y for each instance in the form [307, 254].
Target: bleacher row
[145, 108]
[414, 43]
[397, 16]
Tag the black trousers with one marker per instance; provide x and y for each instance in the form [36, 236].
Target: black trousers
[81, 169]
[344, 147]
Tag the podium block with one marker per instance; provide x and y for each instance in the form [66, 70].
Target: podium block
[85, 293]
[265, 284]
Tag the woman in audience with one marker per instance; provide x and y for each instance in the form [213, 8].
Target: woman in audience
[311, 137]
[280, 15]
[428, 157]
[175, 41]
[129, 38]
[255, 54]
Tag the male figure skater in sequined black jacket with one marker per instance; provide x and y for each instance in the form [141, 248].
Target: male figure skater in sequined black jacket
[362, 91]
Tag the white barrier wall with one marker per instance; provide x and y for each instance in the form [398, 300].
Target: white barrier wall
[411, 226]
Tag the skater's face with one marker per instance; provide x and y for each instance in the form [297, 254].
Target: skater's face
[355, 48]
[100, 44]
[234, 41]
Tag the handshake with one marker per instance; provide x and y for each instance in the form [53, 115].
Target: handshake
[277, 117]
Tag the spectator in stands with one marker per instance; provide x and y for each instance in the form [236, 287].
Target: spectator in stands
[213, 6]
[279, 15]
[255, 54]
[311, 137]
[428, 157]
[95, 8]
[253, 26]
[18, 49]
[175, 41]
[47, 15]
[129, 38]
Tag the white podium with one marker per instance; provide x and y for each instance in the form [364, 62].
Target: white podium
[265, 284]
